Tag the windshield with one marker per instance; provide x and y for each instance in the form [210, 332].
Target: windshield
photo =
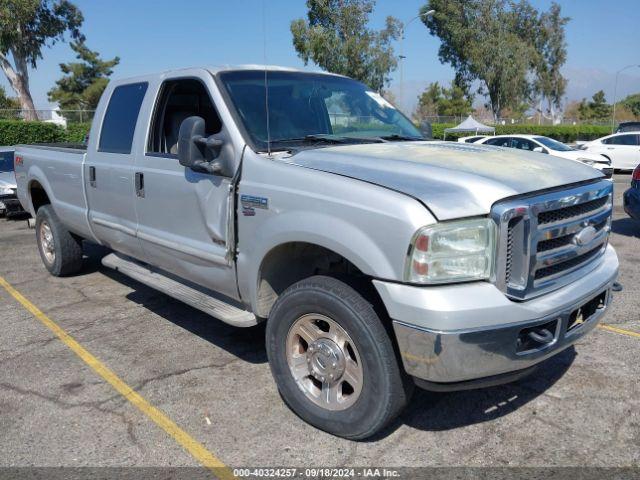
[553, 144]
[312, 107]
[6, 161]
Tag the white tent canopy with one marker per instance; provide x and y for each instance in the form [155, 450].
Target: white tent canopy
[470, 124]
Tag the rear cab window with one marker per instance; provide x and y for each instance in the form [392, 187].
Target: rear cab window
[119, 123]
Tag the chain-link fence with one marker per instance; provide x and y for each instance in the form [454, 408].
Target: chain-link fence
[61, 117]
[533, 120]
[64, 117]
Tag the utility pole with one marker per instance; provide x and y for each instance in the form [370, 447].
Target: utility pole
[402, 56]
[615, 94]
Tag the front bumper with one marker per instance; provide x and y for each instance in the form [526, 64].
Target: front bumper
[10, 205]
[457, 333]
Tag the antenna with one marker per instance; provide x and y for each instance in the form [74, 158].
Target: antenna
[266, 81]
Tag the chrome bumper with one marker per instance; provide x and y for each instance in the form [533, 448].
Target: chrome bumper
[490, 344]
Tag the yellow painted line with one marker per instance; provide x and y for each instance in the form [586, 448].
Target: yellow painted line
[620, 331]
[195, 448]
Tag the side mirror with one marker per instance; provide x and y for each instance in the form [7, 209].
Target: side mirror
[426, 130]
[539, 150]
[193, 147]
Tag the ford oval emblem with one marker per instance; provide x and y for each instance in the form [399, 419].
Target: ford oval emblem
[585, 236]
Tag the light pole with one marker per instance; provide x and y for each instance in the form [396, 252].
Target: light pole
[402, 57]
[615, 94]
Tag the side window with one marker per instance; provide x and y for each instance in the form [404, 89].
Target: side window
[119, 124]
[523, 144]
[178, 100]
[622, 140]
[498, 142]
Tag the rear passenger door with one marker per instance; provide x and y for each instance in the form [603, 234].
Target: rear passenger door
[623, 150]
[109, 171]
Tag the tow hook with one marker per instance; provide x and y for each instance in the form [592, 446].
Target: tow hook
[542, 336]
[537, 337]
[616, 287]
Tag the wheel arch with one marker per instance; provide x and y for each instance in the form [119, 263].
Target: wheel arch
[37, 195]
[289, 262]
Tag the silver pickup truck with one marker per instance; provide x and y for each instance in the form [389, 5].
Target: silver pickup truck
[377, 259]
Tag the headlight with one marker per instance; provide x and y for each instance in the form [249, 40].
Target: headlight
[6, 191]
[587, 161]
[452, 252]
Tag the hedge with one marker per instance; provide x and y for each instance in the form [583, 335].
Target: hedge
[13, 132]
[563, 133]
[77, 132]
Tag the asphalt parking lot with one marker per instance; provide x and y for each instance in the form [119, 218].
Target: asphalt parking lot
[213, 382]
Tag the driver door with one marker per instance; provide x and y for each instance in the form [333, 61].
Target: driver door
[184, 215]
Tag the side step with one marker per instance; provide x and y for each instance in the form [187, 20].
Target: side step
[201, 300]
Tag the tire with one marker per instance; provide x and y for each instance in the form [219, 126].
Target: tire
[60, 251]
[338, 311]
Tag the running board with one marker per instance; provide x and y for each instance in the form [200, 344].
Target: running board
[191, 296]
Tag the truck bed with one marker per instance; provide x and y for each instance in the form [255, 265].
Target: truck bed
[58, 169]
[60, 146]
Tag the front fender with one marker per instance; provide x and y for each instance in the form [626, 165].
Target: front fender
[369, 254]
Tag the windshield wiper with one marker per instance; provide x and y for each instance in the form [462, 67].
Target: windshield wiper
[312, 139]
[396, 137]
[327, 138]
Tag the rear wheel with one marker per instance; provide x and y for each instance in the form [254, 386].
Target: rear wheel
[60, 251]
[333, 360]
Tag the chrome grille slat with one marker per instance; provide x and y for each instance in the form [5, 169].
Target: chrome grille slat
[573, 212]
[544, 246]
[573, 225]
[552, 257]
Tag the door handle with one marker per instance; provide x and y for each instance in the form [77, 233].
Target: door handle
[140, 184]
[92, 176]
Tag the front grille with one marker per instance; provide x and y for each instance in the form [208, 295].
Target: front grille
[570, 212]
[549, 240]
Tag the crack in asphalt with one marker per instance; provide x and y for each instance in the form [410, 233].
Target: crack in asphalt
[65, 405]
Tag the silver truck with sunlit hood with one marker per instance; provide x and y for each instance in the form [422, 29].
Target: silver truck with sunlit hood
[378, 260]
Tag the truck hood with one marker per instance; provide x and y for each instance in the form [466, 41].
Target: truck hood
[7, 180]
[453, 180]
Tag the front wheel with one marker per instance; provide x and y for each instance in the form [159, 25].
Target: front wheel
[333, 360]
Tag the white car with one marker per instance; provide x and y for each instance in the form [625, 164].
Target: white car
[537, 143]
[471, 139]
[623, 149]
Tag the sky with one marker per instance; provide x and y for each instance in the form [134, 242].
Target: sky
[602, 36]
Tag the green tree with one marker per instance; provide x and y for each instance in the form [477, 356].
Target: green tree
[499, 44]
[632, 103]
[597, 109]
[8, 105]
[437, 100]
[26, 26]
[454, 102]
[428, 102]
[336, 37]
[83, 82]
[483, 40]
[550, 84]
